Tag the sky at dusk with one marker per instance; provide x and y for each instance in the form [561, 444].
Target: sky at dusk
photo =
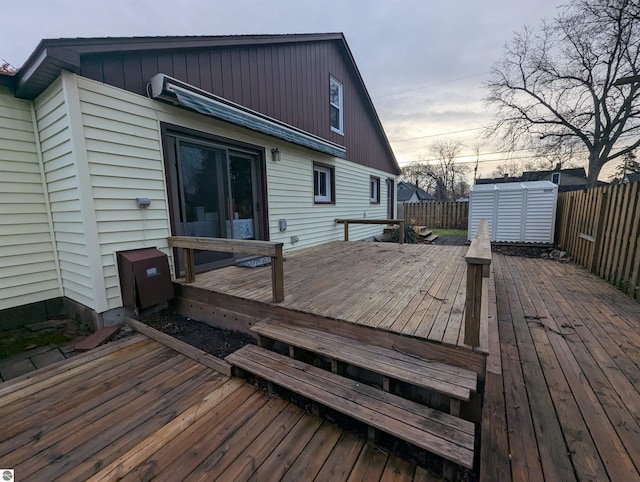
[423, 62]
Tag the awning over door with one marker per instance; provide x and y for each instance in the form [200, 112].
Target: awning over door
[172, 90]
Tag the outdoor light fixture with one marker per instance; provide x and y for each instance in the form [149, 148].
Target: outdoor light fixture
[275, 154]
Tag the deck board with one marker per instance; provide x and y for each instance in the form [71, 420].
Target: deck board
[159, 414]
[569, 372]
[417, 290]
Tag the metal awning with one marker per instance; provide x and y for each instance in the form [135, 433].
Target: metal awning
[185, 95]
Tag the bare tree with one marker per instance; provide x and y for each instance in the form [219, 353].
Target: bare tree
[558, 87]
[6, 68]
[443, 177]
[628, 165]
[511, 168]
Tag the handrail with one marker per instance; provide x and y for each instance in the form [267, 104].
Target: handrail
[478, 260]
[247, 246]
[346, 223]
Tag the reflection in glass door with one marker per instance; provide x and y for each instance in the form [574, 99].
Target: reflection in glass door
[214, 194]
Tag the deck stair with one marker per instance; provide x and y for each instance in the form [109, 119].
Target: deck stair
[435, 431]
[456, 383]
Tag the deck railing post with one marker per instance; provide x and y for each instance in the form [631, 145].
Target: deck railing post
[401, 237]
[346, 231]
[473, 304]
[189, 266]
[478, 260]
[277, 275]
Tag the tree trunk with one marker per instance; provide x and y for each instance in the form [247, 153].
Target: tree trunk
[595, 166]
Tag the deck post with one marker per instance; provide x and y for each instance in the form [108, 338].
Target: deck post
[401, 237]
[277, 274]
[346, 231]
[478, 260]
[473, 304]
[189, 265]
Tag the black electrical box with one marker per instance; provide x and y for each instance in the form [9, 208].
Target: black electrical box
[145, 279]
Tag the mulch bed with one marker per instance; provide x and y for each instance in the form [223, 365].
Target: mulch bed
[218, 343]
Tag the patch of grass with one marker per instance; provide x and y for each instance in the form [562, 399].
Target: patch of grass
[18, 341]
[451, 232]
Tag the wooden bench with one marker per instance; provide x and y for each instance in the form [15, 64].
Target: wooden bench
[434, 431]
[456, 383]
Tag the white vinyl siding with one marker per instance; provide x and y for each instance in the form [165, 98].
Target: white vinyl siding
[125, 161]
[124, 154]
[64, 201]
[290, 189]
[27, 260]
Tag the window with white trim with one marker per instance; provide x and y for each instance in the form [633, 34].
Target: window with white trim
[335, 105]
[323, 184]
[555, 178]
[374, 190]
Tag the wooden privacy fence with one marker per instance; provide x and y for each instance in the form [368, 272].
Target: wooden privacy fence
[439, 215]
[600, 229]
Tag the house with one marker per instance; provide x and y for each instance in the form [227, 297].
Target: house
[572, 179]
[115, 144]
[410, 193]
[632, 177]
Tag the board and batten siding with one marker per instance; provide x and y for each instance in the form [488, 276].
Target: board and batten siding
[62, 188]
[27, 260]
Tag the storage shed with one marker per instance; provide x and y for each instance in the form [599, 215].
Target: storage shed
[518, 212]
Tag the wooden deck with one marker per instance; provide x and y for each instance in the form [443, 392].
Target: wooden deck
[138, 410]
[413, 290]
[562, 402]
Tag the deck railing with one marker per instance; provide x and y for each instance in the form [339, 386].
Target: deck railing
[246, 246]
[346, 223]
[478, 260]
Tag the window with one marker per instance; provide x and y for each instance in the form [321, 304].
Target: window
[335, 105]
[555, 178]
[374, 190]
[323, 184]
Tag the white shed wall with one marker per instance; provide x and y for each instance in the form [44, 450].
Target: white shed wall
[27, 260]
[517, 212]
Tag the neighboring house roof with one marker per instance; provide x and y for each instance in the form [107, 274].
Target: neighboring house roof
[574, 175]
[633, 177]
[570, 179]
[497, 180]
[406, 191]
[130, 62]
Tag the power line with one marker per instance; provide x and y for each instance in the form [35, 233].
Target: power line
[430, 85]
[436, 135]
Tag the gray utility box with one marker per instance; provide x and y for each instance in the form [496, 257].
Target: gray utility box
[145, 279]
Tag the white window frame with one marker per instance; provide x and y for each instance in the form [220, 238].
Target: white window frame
[327, 197]
[374, 190]
[339, 105]
[557, 181]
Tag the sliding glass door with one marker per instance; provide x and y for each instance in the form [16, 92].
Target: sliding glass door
[215, 192]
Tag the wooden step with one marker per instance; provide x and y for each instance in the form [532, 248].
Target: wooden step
[445, 435]
[453, 382]
[431, 238]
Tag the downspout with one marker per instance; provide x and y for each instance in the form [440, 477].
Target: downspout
[45, 191]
